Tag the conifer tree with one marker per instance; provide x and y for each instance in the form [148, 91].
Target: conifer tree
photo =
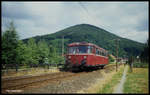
[9, 45]
[32, 51]
[43, 51]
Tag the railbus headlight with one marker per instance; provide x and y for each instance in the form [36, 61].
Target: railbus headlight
[85, 57]
[69, 57]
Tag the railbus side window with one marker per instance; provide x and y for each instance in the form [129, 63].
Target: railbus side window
[97, 51]
[100, 52]
[89, 49]
[103, 53]
[106, 54]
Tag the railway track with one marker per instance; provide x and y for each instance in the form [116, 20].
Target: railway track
[26, 81]
[18, 83]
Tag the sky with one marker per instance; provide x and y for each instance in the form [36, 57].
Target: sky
[125, 19]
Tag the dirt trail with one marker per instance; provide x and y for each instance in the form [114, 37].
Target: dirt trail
[119, 87]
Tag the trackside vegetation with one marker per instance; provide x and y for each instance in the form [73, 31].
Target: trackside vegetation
[137, 81]
[17, 53]
[109, 86]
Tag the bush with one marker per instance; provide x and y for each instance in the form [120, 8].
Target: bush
[140, 65]
[111, 59]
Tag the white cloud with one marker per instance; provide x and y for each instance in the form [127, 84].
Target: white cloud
[126, 19]
[134, 35]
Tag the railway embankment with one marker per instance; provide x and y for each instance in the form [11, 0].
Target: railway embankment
[74, 84]
[106, 83]
[84, 82]
[27, 72]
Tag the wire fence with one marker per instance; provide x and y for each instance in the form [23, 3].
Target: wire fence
[14, 68]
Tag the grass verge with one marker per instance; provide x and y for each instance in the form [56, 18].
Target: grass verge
[109, 86]
[137, 81]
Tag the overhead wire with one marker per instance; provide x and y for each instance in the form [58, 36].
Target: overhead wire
[88, 13]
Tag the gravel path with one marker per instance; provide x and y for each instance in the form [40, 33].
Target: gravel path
[119, 88]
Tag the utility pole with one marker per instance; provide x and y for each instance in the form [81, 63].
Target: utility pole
[62, 45]
[117, 46]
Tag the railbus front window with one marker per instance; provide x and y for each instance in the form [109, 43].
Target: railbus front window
[80, 49]
[72, 50]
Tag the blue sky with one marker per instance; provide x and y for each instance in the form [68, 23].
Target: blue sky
[125, 19]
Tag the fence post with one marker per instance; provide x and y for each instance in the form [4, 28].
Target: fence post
[16, 67]
[131, 66]
[7, 69]
[131, 63]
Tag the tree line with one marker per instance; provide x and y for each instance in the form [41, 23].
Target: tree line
[15, 51]
[144, 56]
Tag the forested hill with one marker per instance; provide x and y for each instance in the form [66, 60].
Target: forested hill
[93, 34]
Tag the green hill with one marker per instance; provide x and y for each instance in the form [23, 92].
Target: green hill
[92, 34]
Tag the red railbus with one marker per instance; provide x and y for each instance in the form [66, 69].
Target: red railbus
[83, 55]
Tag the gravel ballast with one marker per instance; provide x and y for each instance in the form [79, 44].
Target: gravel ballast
[72, 84]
